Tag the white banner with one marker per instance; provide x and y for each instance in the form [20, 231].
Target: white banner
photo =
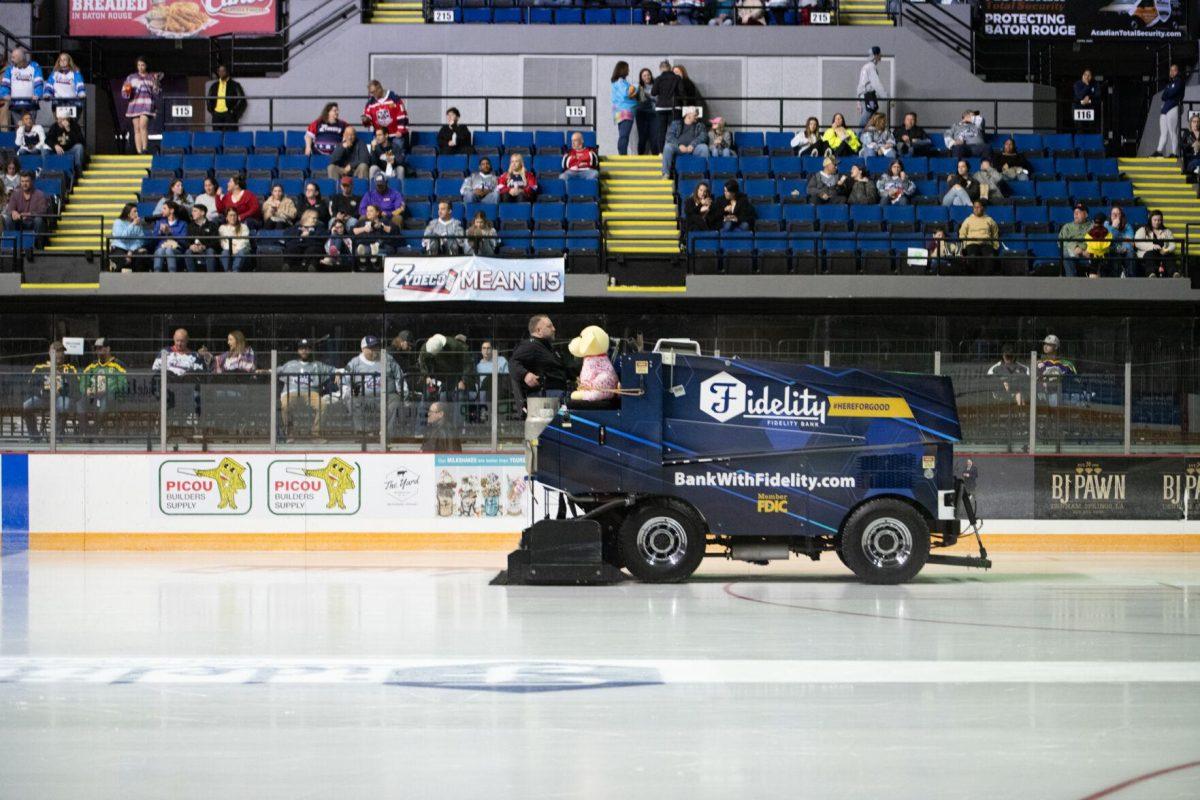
[495, 280]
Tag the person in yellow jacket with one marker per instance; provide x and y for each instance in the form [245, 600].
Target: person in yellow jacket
[840, 140]
[38, 401]
[1098, 242]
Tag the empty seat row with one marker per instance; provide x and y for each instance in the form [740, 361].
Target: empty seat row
[293, 141]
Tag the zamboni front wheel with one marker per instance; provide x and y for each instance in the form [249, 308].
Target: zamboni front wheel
[660, 543]
[885, 541]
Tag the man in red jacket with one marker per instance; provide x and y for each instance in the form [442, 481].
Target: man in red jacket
[580, 161]
[386, 110]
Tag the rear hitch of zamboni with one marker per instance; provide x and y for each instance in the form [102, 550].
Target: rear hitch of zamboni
[964, 499]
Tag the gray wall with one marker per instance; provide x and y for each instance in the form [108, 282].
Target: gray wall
[17, 18]
[459, 60]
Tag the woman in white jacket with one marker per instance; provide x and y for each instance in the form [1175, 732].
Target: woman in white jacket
[808, 141]
[1156, 248]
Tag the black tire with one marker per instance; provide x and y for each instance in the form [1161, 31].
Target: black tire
[661, 543]
[885, 542]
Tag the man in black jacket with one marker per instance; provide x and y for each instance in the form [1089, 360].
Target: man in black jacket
[664, 89]
[203, 242]
[226, 101]
[535, 367]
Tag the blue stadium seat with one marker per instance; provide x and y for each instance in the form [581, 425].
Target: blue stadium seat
[1044, 249]
[1022, 189]
[685, 187]
[597, 16]
[477, 16]
[1059, 215]
[237, 142]
[327, 185]
[549, 142]
[447, 188]
[580, 190]
[317, 163]
[568, 16]
[420, 166]
[487, 143]
[754, 167]
[452, 166]
[548, 243]
[1031, 215]
[1042, 168]
[419, 210]
[1089, 144]
[583, 212]
[166, 162]
[1057, 144]
[515, 213]
[548, 212]
[931, 187]
[900, 218]
[1052, 191]
[737, 252]
[1138, 216]
[929, 216]
[541, 16]
[760, 191]
[173, 142]
[552, 190]
[261, 163]
[1103, 169]
[690, 166]
[866, 218]
[518, 142]
[548, 163]
[292, 166]
[229, 164]
[841, 255]
[419, 189]
[197, 162]
[957, 215]
[423, 143]
[770, 212]
[1087, 192]
[268, 141]
[787, 167]
[1118, 192]
[749, 143]
[916, 165]
[294, 141]
[792, 191]
[292, 187]
[834, 218]
[846, 163]
[206, 142]
[779, 143]
[259, 186]
[361, 186]
[492, 210]
[154, 187]
[193, 186]
[1071, 169]
[1005, 216]
[515, 244]
[811, 164]
[721, 168]
[941, 166]
[877, 165]
[146, 210]
[798, 216]
[1028, 142]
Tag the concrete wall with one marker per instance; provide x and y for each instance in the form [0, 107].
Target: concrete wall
[457, 60]
[17, 18]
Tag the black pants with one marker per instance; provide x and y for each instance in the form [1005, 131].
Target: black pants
[224, 121]
[662, 121]
[979, 259]
[647, 140]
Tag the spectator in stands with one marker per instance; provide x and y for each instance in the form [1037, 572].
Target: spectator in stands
[175, 194]
[687, 12]
[440, 433]
[12, 177]
[1072, 238]
[911, 138]
[663, 90]
[211, 198]
[387, 201]
[235, 241]
[941, 250]
[961, 188]
[66, 138]
[344, 205]
[481, 239]
[339, 247]
[31, 137]
[372, 236]
[870, 88]
[203, 241]
[65, 84]
[1191, 145]
[1012, 378]
[1085, 94]
[751, 12]
[38, 402]
[536, 367]
[643, 114]
[965, 138]
[312, 199]
[700, 213]
[685, 136]
[862, 188]
[350, 157]
[5, 117]
[226, 101]
[127, 244]
[827, 187]
[141, 89]
[1156, 248]
[103, 382]
[238, 357]
[386, 110]
[325, 132]
[1168, 115]
[365, 370]
[240, 199]
[180, 358]
[517, 184]
[1098, 243]
[383, 159]
[172, 233]
[1121, 257]
[443, 234]
[278, 210]
[304, 243]
[623, 97]
[1051, 369]
[720, 140]
[808, 141]
[687, 95]
[453, 138]
[305, 383]
[991, 182]
[1013, 166]
[894, 186]
[489, 359]
[839, 140]
[724, 12]
[979, 236]
[580, 161]
[22, 83]
[480, 186]
[877, 139]
[27, 209]
[737, 213]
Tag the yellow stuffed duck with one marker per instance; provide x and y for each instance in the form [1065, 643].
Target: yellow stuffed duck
[597, 379]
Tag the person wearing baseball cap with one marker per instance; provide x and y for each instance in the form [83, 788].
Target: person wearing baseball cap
[344, 205]
[389, 201]
[1072, 238]
[304, 386]
[870, 88]
[102, 383]
[1051, 369]
[364, 369]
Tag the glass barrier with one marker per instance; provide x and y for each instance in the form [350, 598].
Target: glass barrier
[92, 408]
[1080, 411]
[993, 409]
[1165, 405]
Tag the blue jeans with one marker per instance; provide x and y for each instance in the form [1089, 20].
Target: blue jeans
[624, 127]
[165, 255]
[670, 151]
[1073, 266]
[400, 148]
[200, 262]
[724, 152]
[957, 196]
[726, 227]
[232, 263]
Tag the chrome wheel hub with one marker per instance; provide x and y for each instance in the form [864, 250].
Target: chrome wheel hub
[887, 543]
[662, 541]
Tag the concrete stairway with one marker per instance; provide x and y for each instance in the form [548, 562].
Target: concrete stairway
[637, 206]
[106, 185]
[1159, 184]
[863, 12]
[398, 12]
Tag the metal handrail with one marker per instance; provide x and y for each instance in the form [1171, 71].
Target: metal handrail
[323, 26]
[926, 17]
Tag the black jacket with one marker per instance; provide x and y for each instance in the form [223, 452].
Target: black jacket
[537, 356]
[345, 205]
[66, 139]
[322, 208]
[462, 144]
[235, 98]
[206, 234]
[743, 211]
[664, 89]
[351, 156]
[441, 438]
[695, 221]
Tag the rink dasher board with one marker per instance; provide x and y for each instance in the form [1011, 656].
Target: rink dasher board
[519, 675]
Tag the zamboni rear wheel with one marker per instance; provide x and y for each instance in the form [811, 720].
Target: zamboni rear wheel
[885, 541]
[660, 543]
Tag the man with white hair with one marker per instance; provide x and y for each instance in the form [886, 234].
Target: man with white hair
[22, 84]
[686, 136]
[580, 161]
[870, 88]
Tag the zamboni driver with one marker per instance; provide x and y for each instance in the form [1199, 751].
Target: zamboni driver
[536, 368]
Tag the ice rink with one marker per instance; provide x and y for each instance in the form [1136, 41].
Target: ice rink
[293, 675]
